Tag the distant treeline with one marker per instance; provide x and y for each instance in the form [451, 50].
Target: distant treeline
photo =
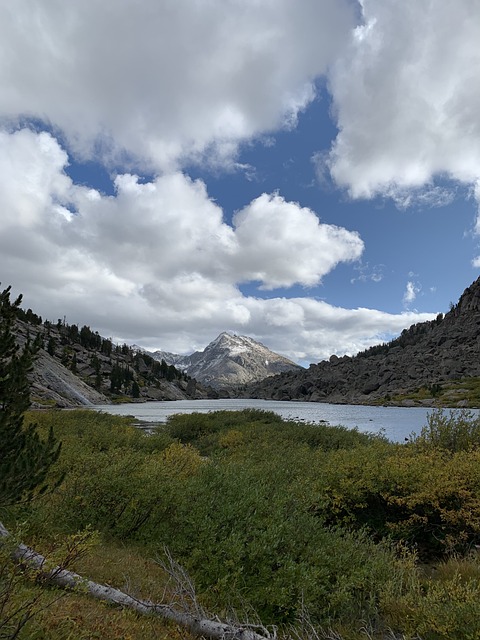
[407, 337]
[113, 368]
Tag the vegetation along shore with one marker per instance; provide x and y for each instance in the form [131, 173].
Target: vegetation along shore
[230, 524]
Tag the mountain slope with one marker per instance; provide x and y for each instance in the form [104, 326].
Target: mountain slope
[428, 359]
[78, 367]
[230, 360]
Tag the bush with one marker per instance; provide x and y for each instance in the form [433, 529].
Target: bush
[245, 539]
[236, 520]
[454, 431]
[260, 428]
[279, 517]
[421, 497]
[110, 472]
[442, 607]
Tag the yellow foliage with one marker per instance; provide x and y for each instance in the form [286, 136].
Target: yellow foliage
[181, 460]
[231, 439]
[437, 610]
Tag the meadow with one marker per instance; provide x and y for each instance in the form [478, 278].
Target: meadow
[316, 531]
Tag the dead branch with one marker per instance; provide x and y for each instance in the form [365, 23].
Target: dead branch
[194, 622]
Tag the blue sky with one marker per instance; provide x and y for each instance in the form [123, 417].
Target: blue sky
[305, 172]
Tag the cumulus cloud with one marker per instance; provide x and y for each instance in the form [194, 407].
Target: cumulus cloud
[162, 83]
[476, 195]
[271, 231]
[309, 330]
[153, 87]
[406, 98]
[157, 262]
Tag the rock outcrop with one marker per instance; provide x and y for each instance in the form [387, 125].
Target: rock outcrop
[54, 383]
[429, 355]
[75, 374]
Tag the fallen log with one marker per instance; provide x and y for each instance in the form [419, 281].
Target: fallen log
[69, 580]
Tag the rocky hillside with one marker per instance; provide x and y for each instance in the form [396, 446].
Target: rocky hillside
[429, 363]
[79, 367]
[230, 360]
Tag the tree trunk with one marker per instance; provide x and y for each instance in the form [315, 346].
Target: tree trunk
[69, 580]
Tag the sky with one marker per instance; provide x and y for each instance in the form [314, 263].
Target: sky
[304, 172]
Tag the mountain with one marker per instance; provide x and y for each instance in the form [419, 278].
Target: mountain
[78, 367]
[52, 383]
[182, 362]
[436, 362]
[230, 360]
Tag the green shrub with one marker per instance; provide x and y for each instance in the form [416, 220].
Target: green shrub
[453, 431]
[245, 539]
[260, 428]
[236, 520]
[108, 474]
[422, 497]
[203, 429]
[434, 609]
[279, 517]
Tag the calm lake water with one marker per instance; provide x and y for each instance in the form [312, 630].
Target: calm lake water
[397, 423]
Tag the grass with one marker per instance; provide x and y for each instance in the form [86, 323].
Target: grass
[456, 393]
[73, 616]
[247, 502]
[62, 615]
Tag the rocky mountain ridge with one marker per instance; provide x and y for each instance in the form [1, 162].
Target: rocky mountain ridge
[430, 357]
[230, 360]
[79, 368]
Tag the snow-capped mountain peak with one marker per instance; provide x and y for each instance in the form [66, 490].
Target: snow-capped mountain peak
[230, 360]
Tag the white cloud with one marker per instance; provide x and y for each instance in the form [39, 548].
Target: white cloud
[157, 265]
[367, 273]
[311, 330]
[420, 197]
[476, 262]
[157, 85]
[476, 195]
[166, 81]
[407, 97]
[271, 232]
[411, 291]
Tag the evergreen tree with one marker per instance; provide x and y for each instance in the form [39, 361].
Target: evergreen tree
[171, 373]
[66, 356]
[135, 389]
[51, 346]
[107, 346]
[24, 457]
[116, 378]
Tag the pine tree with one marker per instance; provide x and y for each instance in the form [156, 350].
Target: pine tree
[24, 457]
[51, 346]
[135, 389]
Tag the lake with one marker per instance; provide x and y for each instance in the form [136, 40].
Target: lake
[397, 423]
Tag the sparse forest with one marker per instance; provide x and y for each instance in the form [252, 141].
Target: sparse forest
[118, 371]
[115, 369]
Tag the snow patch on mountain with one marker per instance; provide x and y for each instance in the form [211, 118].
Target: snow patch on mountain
[229, 360]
